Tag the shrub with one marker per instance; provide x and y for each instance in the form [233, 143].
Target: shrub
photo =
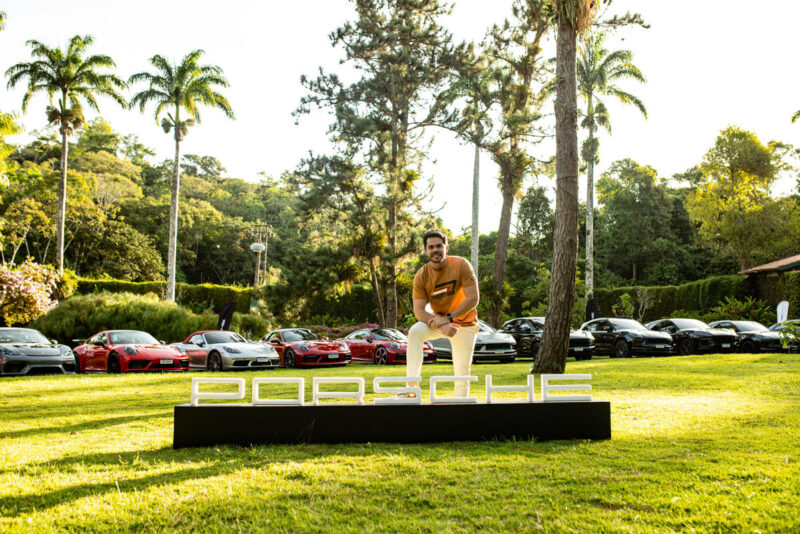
[81, 316]
[27, 292]
[195, 297]
[748, 309]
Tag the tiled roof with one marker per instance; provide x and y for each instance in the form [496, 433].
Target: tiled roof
[786, 264]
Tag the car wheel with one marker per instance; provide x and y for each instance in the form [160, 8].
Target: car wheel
[622, 349]
[686, 346]
[288, 359]
[214, 362]
[113, 364]
[381, 357]
[77, 363]
[749, 346]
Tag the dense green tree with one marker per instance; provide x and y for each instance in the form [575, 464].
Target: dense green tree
[635, 223]
[73, 77]
[732, 205]
[534, 229]
[405, 60]
[179, 87]
[98, 136]
[598, 70]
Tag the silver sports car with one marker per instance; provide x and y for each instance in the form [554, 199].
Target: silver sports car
[218, 350]
[489, 345]
[24, 351]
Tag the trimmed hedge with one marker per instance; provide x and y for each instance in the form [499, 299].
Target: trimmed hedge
[84, 315]
[776, 287]
[694, 296]
[357, 304]
[197, 297]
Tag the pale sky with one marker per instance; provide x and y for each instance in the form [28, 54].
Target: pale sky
[709, 64]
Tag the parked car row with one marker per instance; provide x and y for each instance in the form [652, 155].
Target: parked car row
[25, 351]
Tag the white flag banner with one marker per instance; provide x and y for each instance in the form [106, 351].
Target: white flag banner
[783, 311]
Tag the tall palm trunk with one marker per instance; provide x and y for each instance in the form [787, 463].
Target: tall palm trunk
[501, 250]
[552, 356]
[474, 250]
[590, 214]
[173, 215]
[61, 212]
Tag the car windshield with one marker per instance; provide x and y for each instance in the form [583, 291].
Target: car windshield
[749, 326]
[627, 324]
[213, 338]
[132, 337]
[685, 324]
[299, 335]
[389, 333]
[485, 327]
[22, 335]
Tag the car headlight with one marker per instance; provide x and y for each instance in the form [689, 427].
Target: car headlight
[179, 349]
[303, 346]
[130, 350]
[65, 350]
[9, 351]
[343, 346]
[231, 350]
[394, 344]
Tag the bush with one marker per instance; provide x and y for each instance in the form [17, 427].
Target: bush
[748, 309]
[196, 297]
[27, 292]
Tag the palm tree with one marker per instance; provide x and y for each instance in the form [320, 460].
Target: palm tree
[179, 87]
[573, 17]
[73, 78]
[597, 70]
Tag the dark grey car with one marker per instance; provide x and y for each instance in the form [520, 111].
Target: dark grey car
[24, 351]
[489, 345]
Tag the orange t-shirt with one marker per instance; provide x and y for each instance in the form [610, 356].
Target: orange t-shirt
[444, 288]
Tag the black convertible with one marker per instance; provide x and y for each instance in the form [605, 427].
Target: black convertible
[691, 336]
[622, 338]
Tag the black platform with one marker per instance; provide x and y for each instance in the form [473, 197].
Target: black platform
[231, 424]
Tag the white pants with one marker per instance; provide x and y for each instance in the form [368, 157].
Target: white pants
[462, 345]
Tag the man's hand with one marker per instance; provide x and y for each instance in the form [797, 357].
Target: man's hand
[449, 330]
[438, 322]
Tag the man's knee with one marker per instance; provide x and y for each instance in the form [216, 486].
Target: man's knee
[417, 330]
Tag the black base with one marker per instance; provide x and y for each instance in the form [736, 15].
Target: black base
[230, 424]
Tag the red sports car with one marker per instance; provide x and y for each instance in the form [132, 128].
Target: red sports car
[382, 346]
[120, 351]
[300, 347]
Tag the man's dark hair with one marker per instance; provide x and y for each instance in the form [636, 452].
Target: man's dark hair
[433, 233]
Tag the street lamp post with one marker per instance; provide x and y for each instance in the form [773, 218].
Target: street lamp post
[258, 248]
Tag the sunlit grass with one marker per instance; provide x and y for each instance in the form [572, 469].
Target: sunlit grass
[703, 443]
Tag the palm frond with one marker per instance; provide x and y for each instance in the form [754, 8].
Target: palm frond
[796, 115]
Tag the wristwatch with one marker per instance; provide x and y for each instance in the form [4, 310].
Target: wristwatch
[449, 317]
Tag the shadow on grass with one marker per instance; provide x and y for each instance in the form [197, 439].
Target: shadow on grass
[225, 460]
[86, 425]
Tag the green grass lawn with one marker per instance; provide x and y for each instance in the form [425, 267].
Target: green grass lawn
[700, 443]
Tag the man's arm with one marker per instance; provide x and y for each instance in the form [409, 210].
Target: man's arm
[432, 320]
[471, 298]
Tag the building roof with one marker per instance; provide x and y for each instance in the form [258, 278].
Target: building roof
[792, 263]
